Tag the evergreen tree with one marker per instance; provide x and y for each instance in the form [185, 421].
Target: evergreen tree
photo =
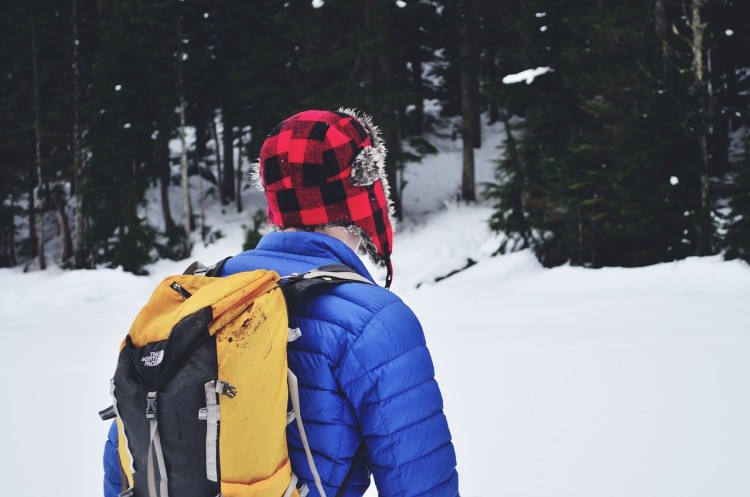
[122, 130]
[606, 173]
[16, 138]
[621, 155]
[737, 240]
[37, 134]
[734, 109]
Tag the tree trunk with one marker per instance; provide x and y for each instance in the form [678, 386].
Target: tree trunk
[519, 182]
[699, 87]
[416, 69]
[228, 139]
[238, 193]
[469, 93]
[38, 144]
[64, 228]
[201, 132]
[165, 179]
[166, 210]
[7, 234]
[78, 154]
[217, 145]
[660, 26]
[202, 205]
[186, 210]
[33, 243]
[201, 151]
[12, 232]
[489, 15]
[200, 139]
[468, 191]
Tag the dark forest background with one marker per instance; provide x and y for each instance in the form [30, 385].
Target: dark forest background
[634, 149]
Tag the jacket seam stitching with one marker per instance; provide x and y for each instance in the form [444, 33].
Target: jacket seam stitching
[403, 392]
[364, 328]
[423, 456]
[381, 365]
[420, 421]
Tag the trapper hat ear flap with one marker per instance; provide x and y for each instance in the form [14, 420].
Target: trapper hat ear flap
[369, 164]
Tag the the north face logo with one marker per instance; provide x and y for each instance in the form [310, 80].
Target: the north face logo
[153, 359]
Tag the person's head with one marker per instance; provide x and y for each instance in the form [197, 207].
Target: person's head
[322, 169]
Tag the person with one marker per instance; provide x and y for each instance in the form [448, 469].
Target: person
[370, 402]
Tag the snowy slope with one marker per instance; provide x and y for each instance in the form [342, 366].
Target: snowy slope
[562, 382]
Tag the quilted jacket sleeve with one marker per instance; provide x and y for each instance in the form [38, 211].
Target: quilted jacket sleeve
[112, 485]
[388, 377]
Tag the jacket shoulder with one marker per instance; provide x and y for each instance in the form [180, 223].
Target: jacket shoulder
[352, 306]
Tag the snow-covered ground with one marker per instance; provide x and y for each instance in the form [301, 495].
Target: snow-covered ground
[557, 382]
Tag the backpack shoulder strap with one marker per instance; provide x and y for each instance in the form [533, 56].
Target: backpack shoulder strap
[297, 286]
[216, 269]
[197, 268]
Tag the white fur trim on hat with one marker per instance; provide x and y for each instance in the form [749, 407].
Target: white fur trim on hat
[369, 164]
[255, 178]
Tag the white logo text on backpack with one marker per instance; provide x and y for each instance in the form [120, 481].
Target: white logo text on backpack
[153, 359]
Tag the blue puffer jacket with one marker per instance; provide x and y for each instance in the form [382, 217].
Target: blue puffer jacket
[367, 389]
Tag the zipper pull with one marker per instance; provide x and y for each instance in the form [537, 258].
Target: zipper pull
[177, 288]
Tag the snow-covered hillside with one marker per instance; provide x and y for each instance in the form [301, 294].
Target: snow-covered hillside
[557, 382]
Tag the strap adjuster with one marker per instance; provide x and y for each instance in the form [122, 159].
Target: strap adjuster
[151, 405]
[224, 388]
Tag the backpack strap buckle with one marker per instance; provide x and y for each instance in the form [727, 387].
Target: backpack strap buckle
[151, 405]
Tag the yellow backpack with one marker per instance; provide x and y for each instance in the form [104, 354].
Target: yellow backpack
[201, 388]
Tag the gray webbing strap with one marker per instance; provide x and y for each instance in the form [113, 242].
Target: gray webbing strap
[212, 431]
[155, 448]
[163, 488]
[294, 334]
[294, 394]
[335, 275]
[292, 486]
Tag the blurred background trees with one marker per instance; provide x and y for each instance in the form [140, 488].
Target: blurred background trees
[630, 148]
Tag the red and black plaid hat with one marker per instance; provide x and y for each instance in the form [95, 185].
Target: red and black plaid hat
[322, 168]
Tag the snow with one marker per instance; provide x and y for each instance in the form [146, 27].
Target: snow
[435, 182]
[529, 74]
[557, 382]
